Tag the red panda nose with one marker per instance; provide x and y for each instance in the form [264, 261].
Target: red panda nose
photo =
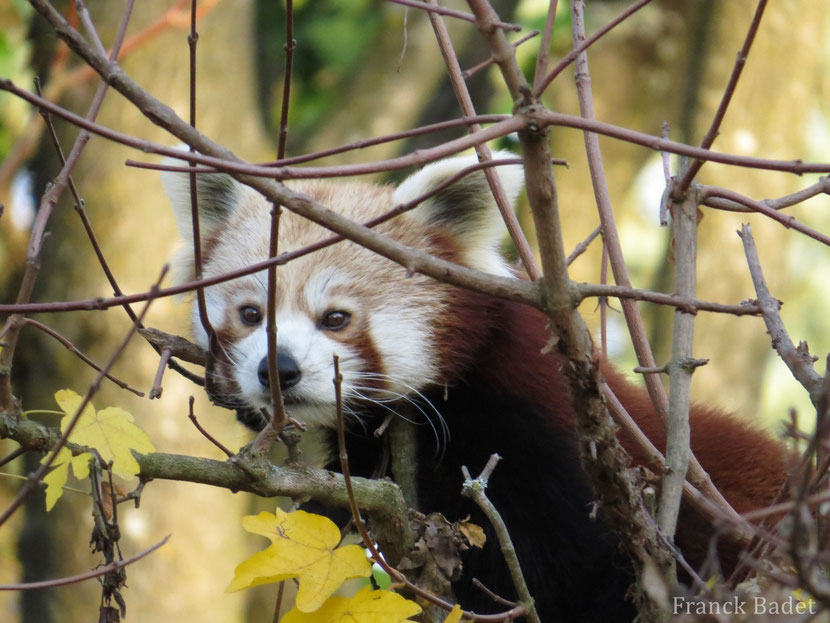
[287, 370]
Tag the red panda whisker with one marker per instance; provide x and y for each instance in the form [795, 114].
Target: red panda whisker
[444, 427]
[439, 446]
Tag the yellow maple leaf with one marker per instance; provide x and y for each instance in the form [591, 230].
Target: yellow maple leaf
[110, 431]
[303, 546]
[56, 479]
[367, 606]
[455, 614]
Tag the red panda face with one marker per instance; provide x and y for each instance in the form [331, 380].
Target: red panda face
[389, 330]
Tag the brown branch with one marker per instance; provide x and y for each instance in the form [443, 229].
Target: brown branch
[720, 113]
[74, 349]
[81, 577]
[544, 46]
[627, 293]
[465, 101]
[434, 9]
[583, 246]
[178, 346]
[469, 73]
[798, 360]
[192, 417]
[611, 240]
[540, 85]
[201, 305]
[474, 489]
[787, 220]
[277, 420]
[819, 188]
[156, 390]
[387, 138]
[678, 432]
[290, 46]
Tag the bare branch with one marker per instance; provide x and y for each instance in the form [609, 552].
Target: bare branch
[540, 85]
[786, 220]
[819, 188]
[714, 128]
[474, 489]
[434, 9]
[81, 577]
[798, 360]
[74, 349]
[484, 153]
[678, 432]
[612, 242]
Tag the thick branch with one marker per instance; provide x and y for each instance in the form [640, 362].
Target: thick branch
[380, 499]
[678, 433]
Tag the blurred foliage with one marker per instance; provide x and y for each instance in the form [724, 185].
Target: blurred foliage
[14, 60]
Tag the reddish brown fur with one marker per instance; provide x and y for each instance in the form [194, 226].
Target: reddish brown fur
[746, 464]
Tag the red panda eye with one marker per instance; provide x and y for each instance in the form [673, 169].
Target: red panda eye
[250, 315]
[335, 320]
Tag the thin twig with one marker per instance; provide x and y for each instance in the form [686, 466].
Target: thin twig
[819, 188]
[156, 390]
[192, 417]
[787, 220]
[729, 91]
[290, 46]
[11, 456]
[583, 246]
[388, 138]
[278, 604]
[544, 45]
[465, 101]
[798, 360]
[472, 71]
[277, 407]
[440, 10]
[498, 599]
[539, 88]
[74, 349]
[95, 573]
[475, 490]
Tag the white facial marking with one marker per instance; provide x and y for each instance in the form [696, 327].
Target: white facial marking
[404, 341]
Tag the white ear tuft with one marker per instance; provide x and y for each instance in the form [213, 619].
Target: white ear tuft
[465, 210]
[218, 195]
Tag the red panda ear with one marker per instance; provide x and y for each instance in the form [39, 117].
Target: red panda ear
[465, 210]
[218, 195]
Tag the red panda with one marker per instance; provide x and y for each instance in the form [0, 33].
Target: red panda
[474, 368]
